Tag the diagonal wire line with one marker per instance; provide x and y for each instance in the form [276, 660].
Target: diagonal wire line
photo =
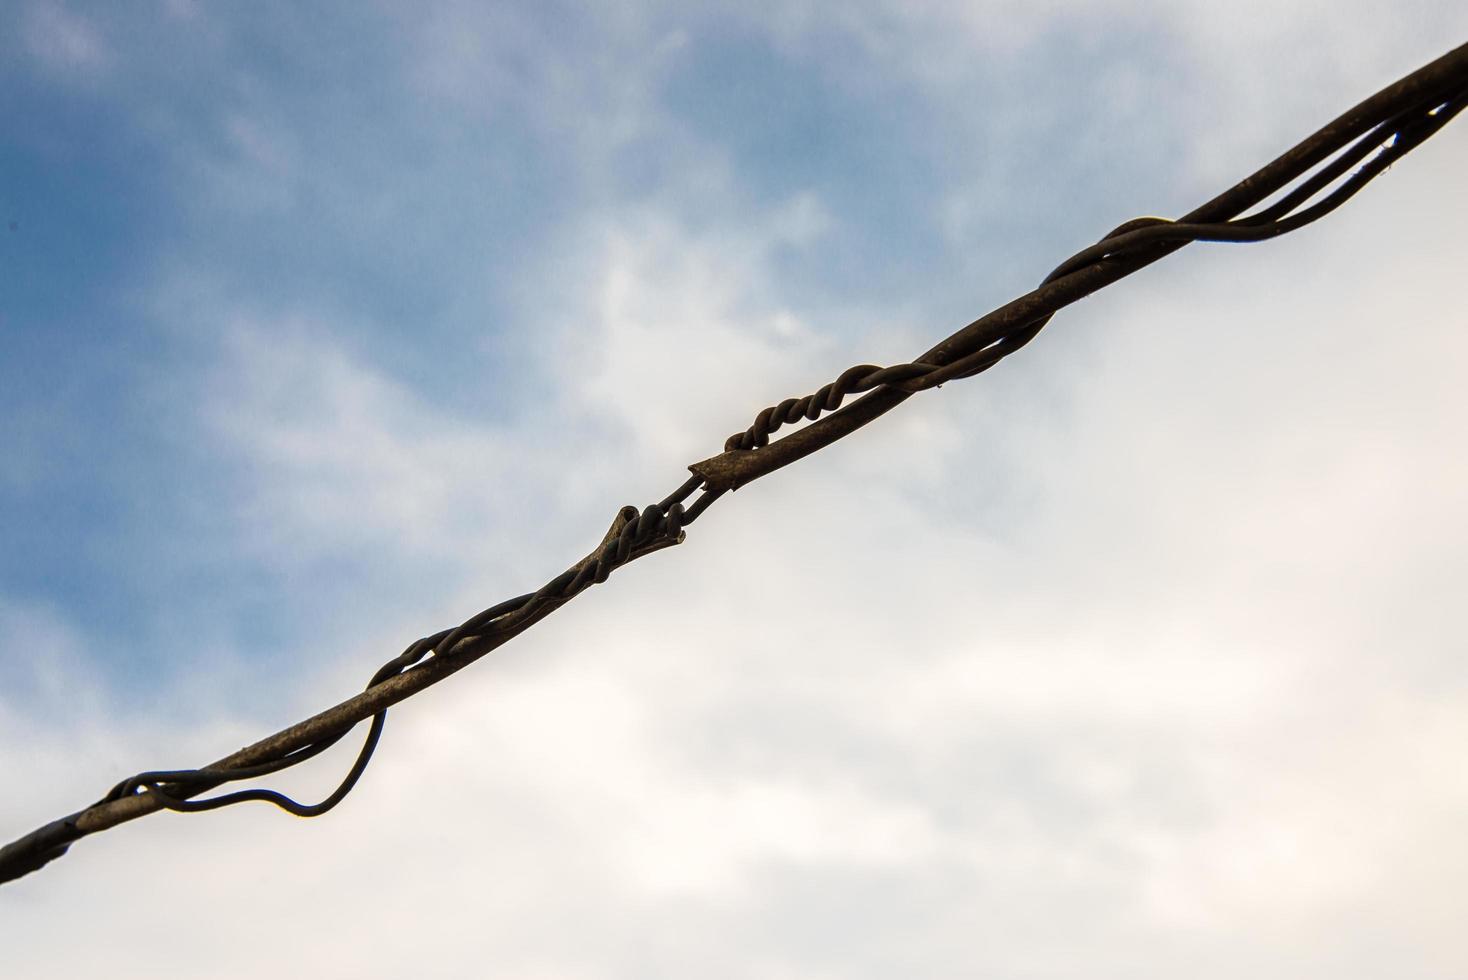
[1313, 178]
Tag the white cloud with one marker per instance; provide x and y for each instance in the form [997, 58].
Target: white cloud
[683, 330]
[66, 42]
[338, 452]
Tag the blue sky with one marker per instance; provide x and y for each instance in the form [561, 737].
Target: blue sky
[321, 329]
[397, 207]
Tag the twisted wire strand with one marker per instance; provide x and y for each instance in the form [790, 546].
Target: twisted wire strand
[1389, 141]
[1352, 150]
[172, 788]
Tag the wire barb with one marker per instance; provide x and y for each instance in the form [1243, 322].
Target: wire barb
[1349, 152]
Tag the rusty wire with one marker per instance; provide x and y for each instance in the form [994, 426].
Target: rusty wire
[1336, 162]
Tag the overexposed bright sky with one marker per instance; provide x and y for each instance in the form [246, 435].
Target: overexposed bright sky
[322, 328]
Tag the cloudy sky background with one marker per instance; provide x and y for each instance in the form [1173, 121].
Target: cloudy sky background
[1140, 656]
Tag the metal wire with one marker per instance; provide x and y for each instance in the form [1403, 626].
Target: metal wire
[1389, 141]
[660, 522]
[1337, 161]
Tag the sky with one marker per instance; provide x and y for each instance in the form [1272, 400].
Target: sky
[322, 328]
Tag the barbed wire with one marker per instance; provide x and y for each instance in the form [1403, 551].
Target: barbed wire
[1349, 152]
